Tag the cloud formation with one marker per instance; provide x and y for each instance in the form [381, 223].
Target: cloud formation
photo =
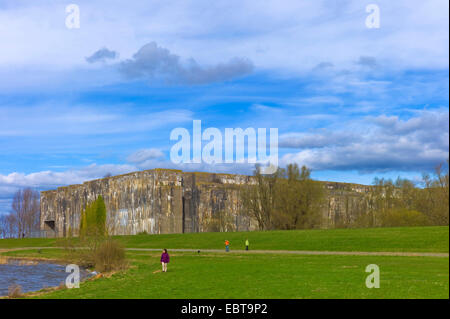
[316, 140]
[386, 143]
[45, 180]
[102, 55]
[143, 155]
[367, 61]
[153, 62]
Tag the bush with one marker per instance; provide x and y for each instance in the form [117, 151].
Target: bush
[402, 217]
[100, 253]
[109, 256]
[14, 291]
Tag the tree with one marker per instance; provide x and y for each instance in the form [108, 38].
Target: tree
[287, 199]
[404, 204]
[93, 219]
[406, 193]
[3, 226]
[434, 199]
[11, 222]
[26, 211]
[298, 200]
[258, 199]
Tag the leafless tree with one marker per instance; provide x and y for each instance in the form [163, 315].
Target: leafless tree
[12, 225]
[3, 226]
[25, 209]
[258, 200]
[8, 226]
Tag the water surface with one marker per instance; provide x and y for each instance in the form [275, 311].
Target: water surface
[33, 277]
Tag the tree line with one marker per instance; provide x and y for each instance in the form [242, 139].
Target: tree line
[24, 217]
[287, 199]
[405, 203]
[290, 199]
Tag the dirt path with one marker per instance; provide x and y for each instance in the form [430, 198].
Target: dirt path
[306, 252]
[294, 252]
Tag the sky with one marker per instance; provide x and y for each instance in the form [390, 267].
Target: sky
[349, 102]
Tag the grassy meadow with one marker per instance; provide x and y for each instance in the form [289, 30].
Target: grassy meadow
[272, 275]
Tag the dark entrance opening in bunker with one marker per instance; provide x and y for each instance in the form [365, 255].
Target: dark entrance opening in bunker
[50, 224]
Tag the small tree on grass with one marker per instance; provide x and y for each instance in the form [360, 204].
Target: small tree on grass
[93, 219]
[102, 253]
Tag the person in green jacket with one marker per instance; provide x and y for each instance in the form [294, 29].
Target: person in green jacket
[246, 244]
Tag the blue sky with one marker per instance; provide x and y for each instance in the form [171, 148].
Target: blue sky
[349, 102]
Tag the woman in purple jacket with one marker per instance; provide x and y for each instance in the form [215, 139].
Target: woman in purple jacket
[164, 260]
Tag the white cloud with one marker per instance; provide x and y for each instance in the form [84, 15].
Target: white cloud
[51, 178]
[381, 144]
[290, 35]
[44, 180]
[316, 140]
[145, 155]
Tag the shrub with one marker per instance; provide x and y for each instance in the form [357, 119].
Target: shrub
[109, 256]
[14, 291]
[402, 217]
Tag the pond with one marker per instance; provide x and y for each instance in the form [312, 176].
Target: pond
[33, 277]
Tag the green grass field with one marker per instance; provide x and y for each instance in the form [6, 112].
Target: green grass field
[403, 239]
[221, 275]
[272, 275]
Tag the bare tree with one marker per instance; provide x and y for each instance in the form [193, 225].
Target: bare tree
[25, 209]
[436, 201]
[8, 226]
[258, 200]
[3, 226]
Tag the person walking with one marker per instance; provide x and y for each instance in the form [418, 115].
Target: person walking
[246, 244]
[164, 260]
[227, 245]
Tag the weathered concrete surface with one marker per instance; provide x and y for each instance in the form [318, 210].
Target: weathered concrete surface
[345, 202]
[155, 201]
[163, 201]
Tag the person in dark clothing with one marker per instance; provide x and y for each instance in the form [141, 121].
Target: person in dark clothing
[164, 260]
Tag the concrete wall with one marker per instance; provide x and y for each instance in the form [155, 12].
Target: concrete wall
[164, 201]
